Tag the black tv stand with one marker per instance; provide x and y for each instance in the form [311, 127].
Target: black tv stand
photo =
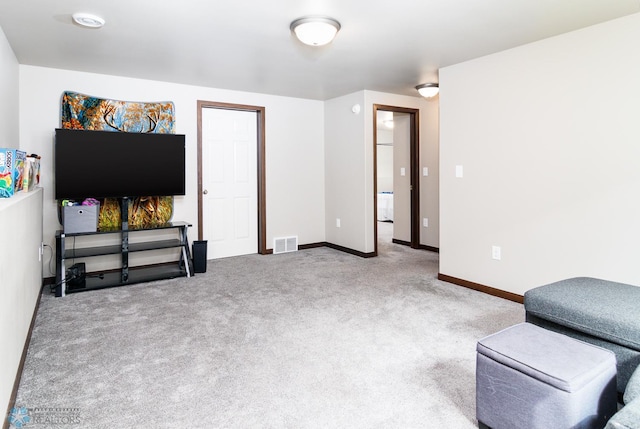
[125, 274]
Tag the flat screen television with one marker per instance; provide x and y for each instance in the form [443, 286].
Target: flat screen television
[104, 164]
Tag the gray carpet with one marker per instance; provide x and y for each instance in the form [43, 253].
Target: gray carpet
[312, 339]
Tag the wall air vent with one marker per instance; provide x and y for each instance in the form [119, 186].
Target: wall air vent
[285, 244]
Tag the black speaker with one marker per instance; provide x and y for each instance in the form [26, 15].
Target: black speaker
[77, 276]
[200, 256]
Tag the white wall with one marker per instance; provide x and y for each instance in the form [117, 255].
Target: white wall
[428, 151]
[21, 232]
[20, 280]
[402, 183]
[9, 131]
[384, 153]
[345, 171]
[430, 159]
[294, 143]
[384, 169]
[548, 136]
[349, 167]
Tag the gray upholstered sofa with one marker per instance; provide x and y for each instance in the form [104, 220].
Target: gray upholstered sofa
[629, 416]
[599, 312]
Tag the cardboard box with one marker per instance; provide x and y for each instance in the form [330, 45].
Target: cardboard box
[31, 173]
[77, 219]
[11, 171]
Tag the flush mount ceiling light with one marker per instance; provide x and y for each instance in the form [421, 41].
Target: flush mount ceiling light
[88, 20]
[315, 30]
[428, 90]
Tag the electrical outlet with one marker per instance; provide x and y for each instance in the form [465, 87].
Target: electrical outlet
[496, 253]
[338, 223]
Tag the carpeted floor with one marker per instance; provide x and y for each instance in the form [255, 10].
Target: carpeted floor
[312, 339]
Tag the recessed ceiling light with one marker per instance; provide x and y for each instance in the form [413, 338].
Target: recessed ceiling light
[88, 20]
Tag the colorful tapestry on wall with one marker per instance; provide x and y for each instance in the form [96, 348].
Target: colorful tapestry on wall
[84, 112]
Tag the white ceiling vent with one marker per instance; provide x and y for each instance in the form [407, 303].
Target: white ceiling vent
[285, 244]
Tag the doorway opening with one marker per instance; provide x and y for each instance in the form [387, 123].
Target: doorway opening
[396, 178]
[256, 185]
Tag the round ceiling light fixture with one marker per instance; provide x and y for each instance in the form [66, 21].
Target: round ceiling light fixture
[88, 20]
[315, 30]
[428, 90]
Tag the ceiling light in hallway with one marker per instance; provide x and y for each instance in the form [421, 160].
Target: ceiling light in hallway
[428, 90]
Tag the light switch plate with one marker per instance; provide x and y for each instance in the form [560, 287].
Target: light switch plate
[496, 253]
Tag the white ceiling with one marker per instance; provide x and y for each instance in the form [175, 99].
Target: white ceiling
[387, 46]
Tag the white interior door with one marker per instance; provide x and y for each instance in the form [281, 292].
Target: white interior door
[229, 182]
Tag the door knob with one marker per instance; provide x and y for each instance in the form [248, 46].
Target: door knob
[205, 192]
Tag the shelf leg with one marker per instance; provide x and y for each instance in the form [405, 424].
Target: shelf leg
[60, 269]
[124, 215]
[186, 254]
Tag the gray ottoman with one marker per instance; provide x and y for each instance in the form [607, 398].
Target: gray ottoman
[529, 377]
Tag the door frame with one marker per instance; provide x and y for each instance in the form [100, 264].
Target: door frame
[262, 211]
[414, 165]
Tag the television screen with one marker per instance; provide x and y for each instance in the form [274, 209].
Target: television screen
[102, 164]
